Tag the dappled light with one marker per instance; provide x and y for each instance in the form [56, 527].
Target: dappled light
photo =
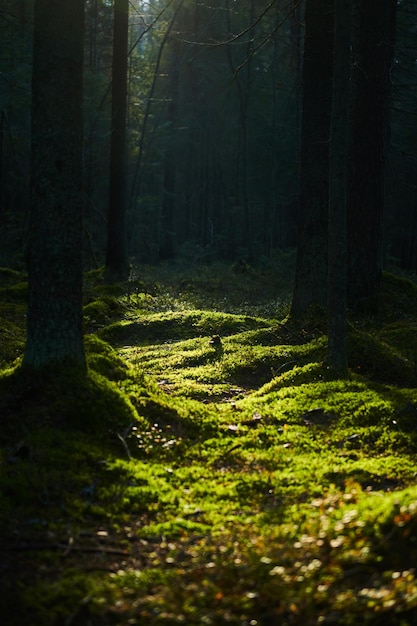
[208, 297]
[225, 476]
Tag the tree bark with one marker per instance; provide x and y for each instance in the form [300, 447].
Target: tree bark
[167, 239]
[54, 251]
[370, 126]
[311, 267]
[117, 261]
[338, 162]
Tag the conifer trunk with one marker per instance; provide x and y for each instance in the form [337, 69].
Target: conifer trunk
[338, 163]
[54, 248]
[311, 267]
[370, 134]
[117, 262]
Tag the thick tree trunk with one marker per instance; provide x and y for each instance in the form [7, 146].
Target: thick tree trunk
[311, 268]
[117, 261]
[54, 324]
[337, 271]
[366, 210]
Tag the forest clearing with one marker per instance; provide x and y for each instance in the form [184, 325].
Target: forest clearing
[209, 469]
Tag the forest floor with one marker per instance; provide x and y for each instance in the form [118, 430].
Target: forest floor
[209, 469]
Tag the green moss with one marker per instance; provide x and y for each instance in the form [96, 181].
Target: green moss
[13, 296]
[9, 276]
[12, 342]
[175, 528]
[379, 361]
[397, 299]
[72, 597]
[68, 398]
[104, 360]
[195, 368]
[17, 292]
[402, 336]
[234, 481]
[177, 325]
[102, 311]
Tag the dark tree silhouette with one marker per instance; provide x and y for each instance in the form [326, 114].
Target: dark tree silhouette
[54, 323]
[167, 241]
[311, 268]
[117, 261]
[370, 124]
[338, 174]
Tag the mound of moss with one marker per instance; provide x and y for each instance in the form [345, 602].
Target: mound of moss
[12, 342]
[13, 295]
[177, 326]
[63, 399]
[104, 360]
[397, 299]
[380, 361]
[208, 468]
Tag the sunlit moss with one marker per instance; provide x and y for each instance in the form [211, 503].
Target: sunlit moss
[13, 295]
[12, 342]
[235, 480]
[178, 325]
[103, 359]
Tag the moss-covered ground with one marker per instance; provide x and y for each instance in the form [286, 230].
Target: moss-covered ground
[208, 469]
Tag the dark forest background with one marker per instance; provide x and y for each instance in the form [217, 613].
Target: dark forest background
[213, 127]
[138, 132]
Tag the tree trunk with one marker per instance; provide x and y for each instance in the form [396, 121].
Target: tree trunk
[168, 240]
[242, 77]
[311, 268]
[117, 261]
[366, 210]
[54, 323]
[338, 158]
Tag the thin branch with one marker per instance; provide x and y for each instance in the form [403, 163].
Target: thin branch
[236, 37]
[149, 27]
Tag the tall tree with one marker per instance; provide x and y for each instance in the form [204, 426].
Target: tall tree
[167, 241]
[117, 261]
[401, 190]
[243, 78]
[54, 323]
[338, 163]
[97, 119]
[311, 267]
[15, 75]
[370, 125]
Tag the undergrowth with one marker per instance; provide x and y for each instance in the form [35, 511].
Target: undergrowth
[209, 469]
